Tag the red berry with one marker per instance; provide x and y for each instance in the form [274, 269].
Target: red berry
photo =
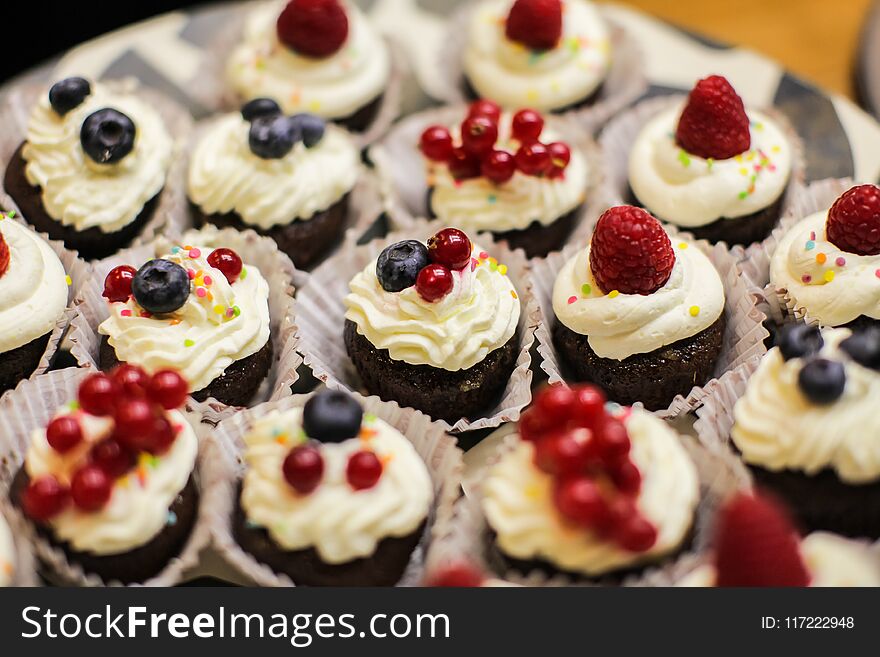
[303, 468]
[636, 534]
[627, 478]
[135, 420]
[162, 436]
[228, 262]
[91, 488]
[714, 123]
[168, 389]
[44, 498]
[556, 403]
[4, 255]
[314, 28]
[630, 252]
[117, 285]
[580, 501]
[532, 426]
[853, 223]
[99, 394]
[112, 458]
[463, 165]
[533, 159]
[498, 166]
[478, 135]
[560, 156]
[131, 379]
[620, 509]
[526, 126]
[434, 282]
[537, 24]
[589, 406]
[363, 470]
[436, 143]
[461, 575]
[64, 433]
[487, 108]
[563, 453]
[450, 247]
[612, 441]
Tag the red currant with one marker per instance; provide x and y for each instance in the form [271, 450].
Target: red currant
[117, 285]
[131, 379]
[135, 420]
[461, 575]
[91, 488]
[563, 453]
[228, 262]
[168, 389]
[560, 156]
[613, 441]
[112, 458]
[556, 403]
[64, 433]
[463, 165]
[450, 247]
[4, 256]
[363, 470]
[526, 126]
[487, 108]
[533, 159]
[636, 534]
[162, 436]
[99, 394]
[531, 426]
[498, 166]
[434, 282]
[579, 500]
[627, 478]
[589, 407]
[44, 498]
[303, 468]
[436, 143]
[478, 135]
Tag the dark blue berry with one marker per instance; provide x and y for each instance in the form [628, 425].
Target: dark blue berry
[822, 381]
[272, 137]
[160, 286]
[107, 135]
[68, 93]
[399, 265]
[312, 128]
[864, 347]
[799, 340]
[332, 416]
[259, 107]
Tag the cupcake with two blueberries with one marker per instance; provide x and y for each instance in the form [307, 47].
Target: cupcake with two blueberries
[92, 166]
[109, 481]
[287, 177]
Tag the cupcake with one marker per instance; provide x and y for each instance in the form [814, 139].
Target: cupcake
[7, 555]
[109, 481]
[711, 167]
[636, 314]
[434, 327]
[318, 56]
[827, 266]
[589, 491]
[506, 174]
[92, 165]
[551, 55]
[33, 297]
[287, 177]
[200, 311]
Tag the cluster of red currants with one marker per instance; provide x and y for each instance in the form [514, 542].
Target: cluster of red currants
[477, 155]
[137, 403]
[587, 452]
[304, 469]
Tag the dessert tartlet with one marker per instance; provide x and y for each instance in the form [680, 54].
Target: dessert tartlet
[638, 314]
[286, 177]
[318, 56]
[92, 166]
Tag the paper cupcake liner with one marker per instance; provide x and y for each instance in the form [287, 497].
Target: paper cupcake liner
[321, 321]
[624, 83]
[24, 571]
[223, 468]
[31, 407]
[15, 114]
[91, 308]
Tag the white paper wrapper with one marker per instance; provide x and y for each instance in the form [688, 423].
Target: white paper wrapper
[31, 407]
[91, 308]
[321, 321]
[224, 467]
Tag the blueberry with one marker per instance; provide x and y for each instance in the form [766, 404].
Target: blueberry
[68, 93]
[107, 135]
[272, 137]
[822, 381]
[864, 347]
[312, 128]
[259, 107]
[332, 416]
[799, 340]
[160, 286]
[399, 265]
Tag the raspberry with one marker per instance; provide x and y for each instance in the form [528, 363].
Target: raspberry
[537, 24]
[314, 28]
[630, 252]
[757, 546]
[4, 255]
[854, 221]
[714, 122]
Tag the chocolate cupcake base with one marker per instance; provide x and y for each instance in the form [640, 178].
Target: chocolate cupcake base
[362, 119]
[654, 378]
[235, 387]
[437, 392]
[139, 564]
[19, 363]
[471, 94]
[91, 243]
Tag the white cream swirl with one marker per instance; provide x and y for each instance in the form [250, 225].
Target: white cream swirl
[479, 315]
[518, 503]
[33, 291]
[515, 76]
[833, 286]
[340, 523]
[225, 176]
[690, 191]
[7, 554]
[81, 193]
[210, 332]
[778, 428]
[620, 325]
[139, 505]
[333, 87]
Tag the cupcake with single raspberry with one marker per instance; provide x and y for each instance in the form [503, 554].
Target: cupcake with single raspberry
[93, 164]
[318, 56]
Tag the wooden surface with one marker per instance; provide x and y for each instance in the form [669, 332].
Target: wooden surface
[816, 39]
